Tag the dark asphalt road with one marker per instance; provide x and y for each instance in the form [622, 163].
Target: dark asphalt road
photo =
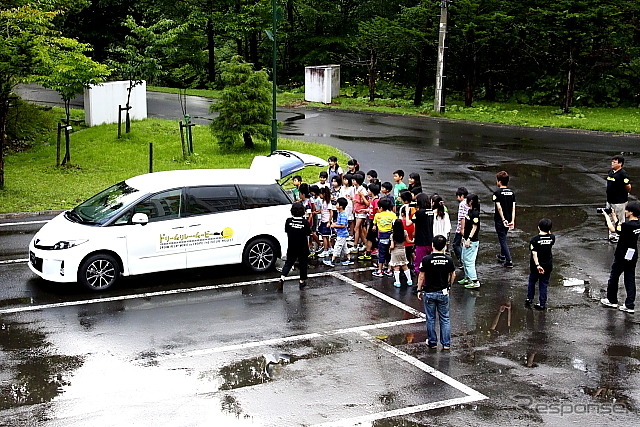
[200, 355]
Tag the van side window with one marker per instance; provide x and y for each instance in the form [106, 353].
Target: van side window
[213, 199]
[260, 196]
[161, 206]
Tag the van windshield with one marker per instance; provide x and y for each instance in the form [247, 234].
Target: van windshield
[104, 205]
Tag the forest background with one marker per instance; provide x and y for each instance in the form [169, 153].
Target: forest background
[563, 53]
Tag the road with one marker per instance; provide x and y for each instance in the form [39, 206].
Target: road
[219, 346]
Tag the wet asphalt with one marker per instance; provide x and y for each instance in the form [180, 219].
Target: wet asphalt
[218, 346]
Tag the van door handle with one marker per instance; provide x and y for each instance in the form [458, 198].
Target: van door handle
[175, 228]
[194, 225]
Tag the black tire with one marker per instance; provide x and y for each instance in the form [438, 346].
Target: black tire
[260, 255]
[99, 272]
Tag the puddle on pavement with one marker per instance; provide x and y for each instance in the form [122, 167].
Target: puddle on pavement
[34, 375]
[541, 172]
[270, 366]
[395, 422]
[623, 351]
[562, 217]
[15, 301]
[608, 394]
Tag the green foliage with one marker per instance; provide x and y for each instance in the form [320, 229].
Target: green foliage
[68, 70]
[245, 104]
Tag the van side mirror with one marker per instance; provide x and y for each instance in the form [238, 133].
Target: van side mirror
[140, 218]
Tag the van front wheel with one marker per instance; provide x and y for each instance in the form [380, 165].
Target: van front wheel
[260, 255]
[99, 272]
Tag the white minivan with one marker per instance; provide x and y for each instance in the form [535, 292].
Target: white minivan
[172, 220]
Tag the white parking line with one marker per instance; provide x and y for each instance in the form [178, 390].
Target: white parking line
[471, 394]
[282, 340]
[378, 294]
[156, 294]
[15, 261]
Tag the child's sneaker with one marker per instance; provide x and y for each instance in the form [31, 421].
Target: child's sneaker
[473, 284]
[362, 248]
[539, 307]
[607, 303]
[323, 254]
[409, 283]
[377, 274]
[364, 257]
[626, 309]
[354, 250]
[328, 263]
[397, 285]
[347, 262]
[389, 272]
[374, 252]
[464, 281]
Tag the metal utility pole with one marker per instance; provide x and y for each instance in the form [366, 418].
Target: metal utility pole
[438, 105]
[272, 36]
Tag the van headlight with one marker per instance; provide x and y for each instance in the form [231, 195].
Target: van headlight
[66, 244]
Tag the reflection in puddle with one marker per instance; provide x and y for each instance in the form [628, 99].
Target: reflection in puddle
[267, 367]
[623, 351]
[607, 394]
[33, 375]
[543, 172]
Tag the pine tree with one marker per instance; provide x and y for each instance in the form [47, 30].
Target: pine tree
[245, 105]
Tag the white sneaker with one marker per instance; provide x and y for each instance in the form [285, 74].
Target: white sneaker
[607, 303]
[626, 309]
[323, 254]
[354, 250]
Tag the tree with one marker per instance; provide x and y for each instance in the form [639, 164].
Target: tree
[24, 46]
[136, 60]
[245, 104]
[377, 39]
[68, 71]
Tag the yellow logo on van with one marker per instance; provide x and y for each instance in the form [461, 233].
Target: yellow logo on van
[227, 233]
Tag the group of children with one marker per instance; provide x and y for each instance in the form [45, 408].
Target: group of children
[353, 215]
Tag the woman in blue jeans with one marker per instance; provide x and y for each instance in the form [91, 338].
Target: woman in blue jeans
[470, 243]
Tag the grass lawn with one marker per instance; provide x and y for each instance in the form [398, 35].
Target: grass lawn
[625, 120]
[99, 159]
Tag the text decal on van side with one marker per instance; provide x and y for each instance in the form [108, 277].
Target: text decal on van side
[199, 238]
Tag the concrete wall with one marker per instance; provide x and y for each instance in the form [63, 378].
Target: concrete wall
[321, 83]
[101, 102]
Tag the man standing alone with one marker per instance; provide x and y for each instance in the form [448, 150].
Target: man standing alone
[618, 188]
[504, 216]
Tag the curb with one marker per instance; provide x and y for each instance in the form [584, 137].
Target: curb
[12, 215]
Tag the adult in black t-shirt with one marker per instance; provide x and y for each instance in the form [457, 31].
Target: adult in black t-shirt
[504, 215]
[540, 263]
[625, 259]
[298, 231]
[618, 188]
[437, 272]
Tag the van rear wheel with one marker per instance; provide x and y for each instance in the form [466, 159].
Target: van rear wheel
[260, 255]
[99, 272]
